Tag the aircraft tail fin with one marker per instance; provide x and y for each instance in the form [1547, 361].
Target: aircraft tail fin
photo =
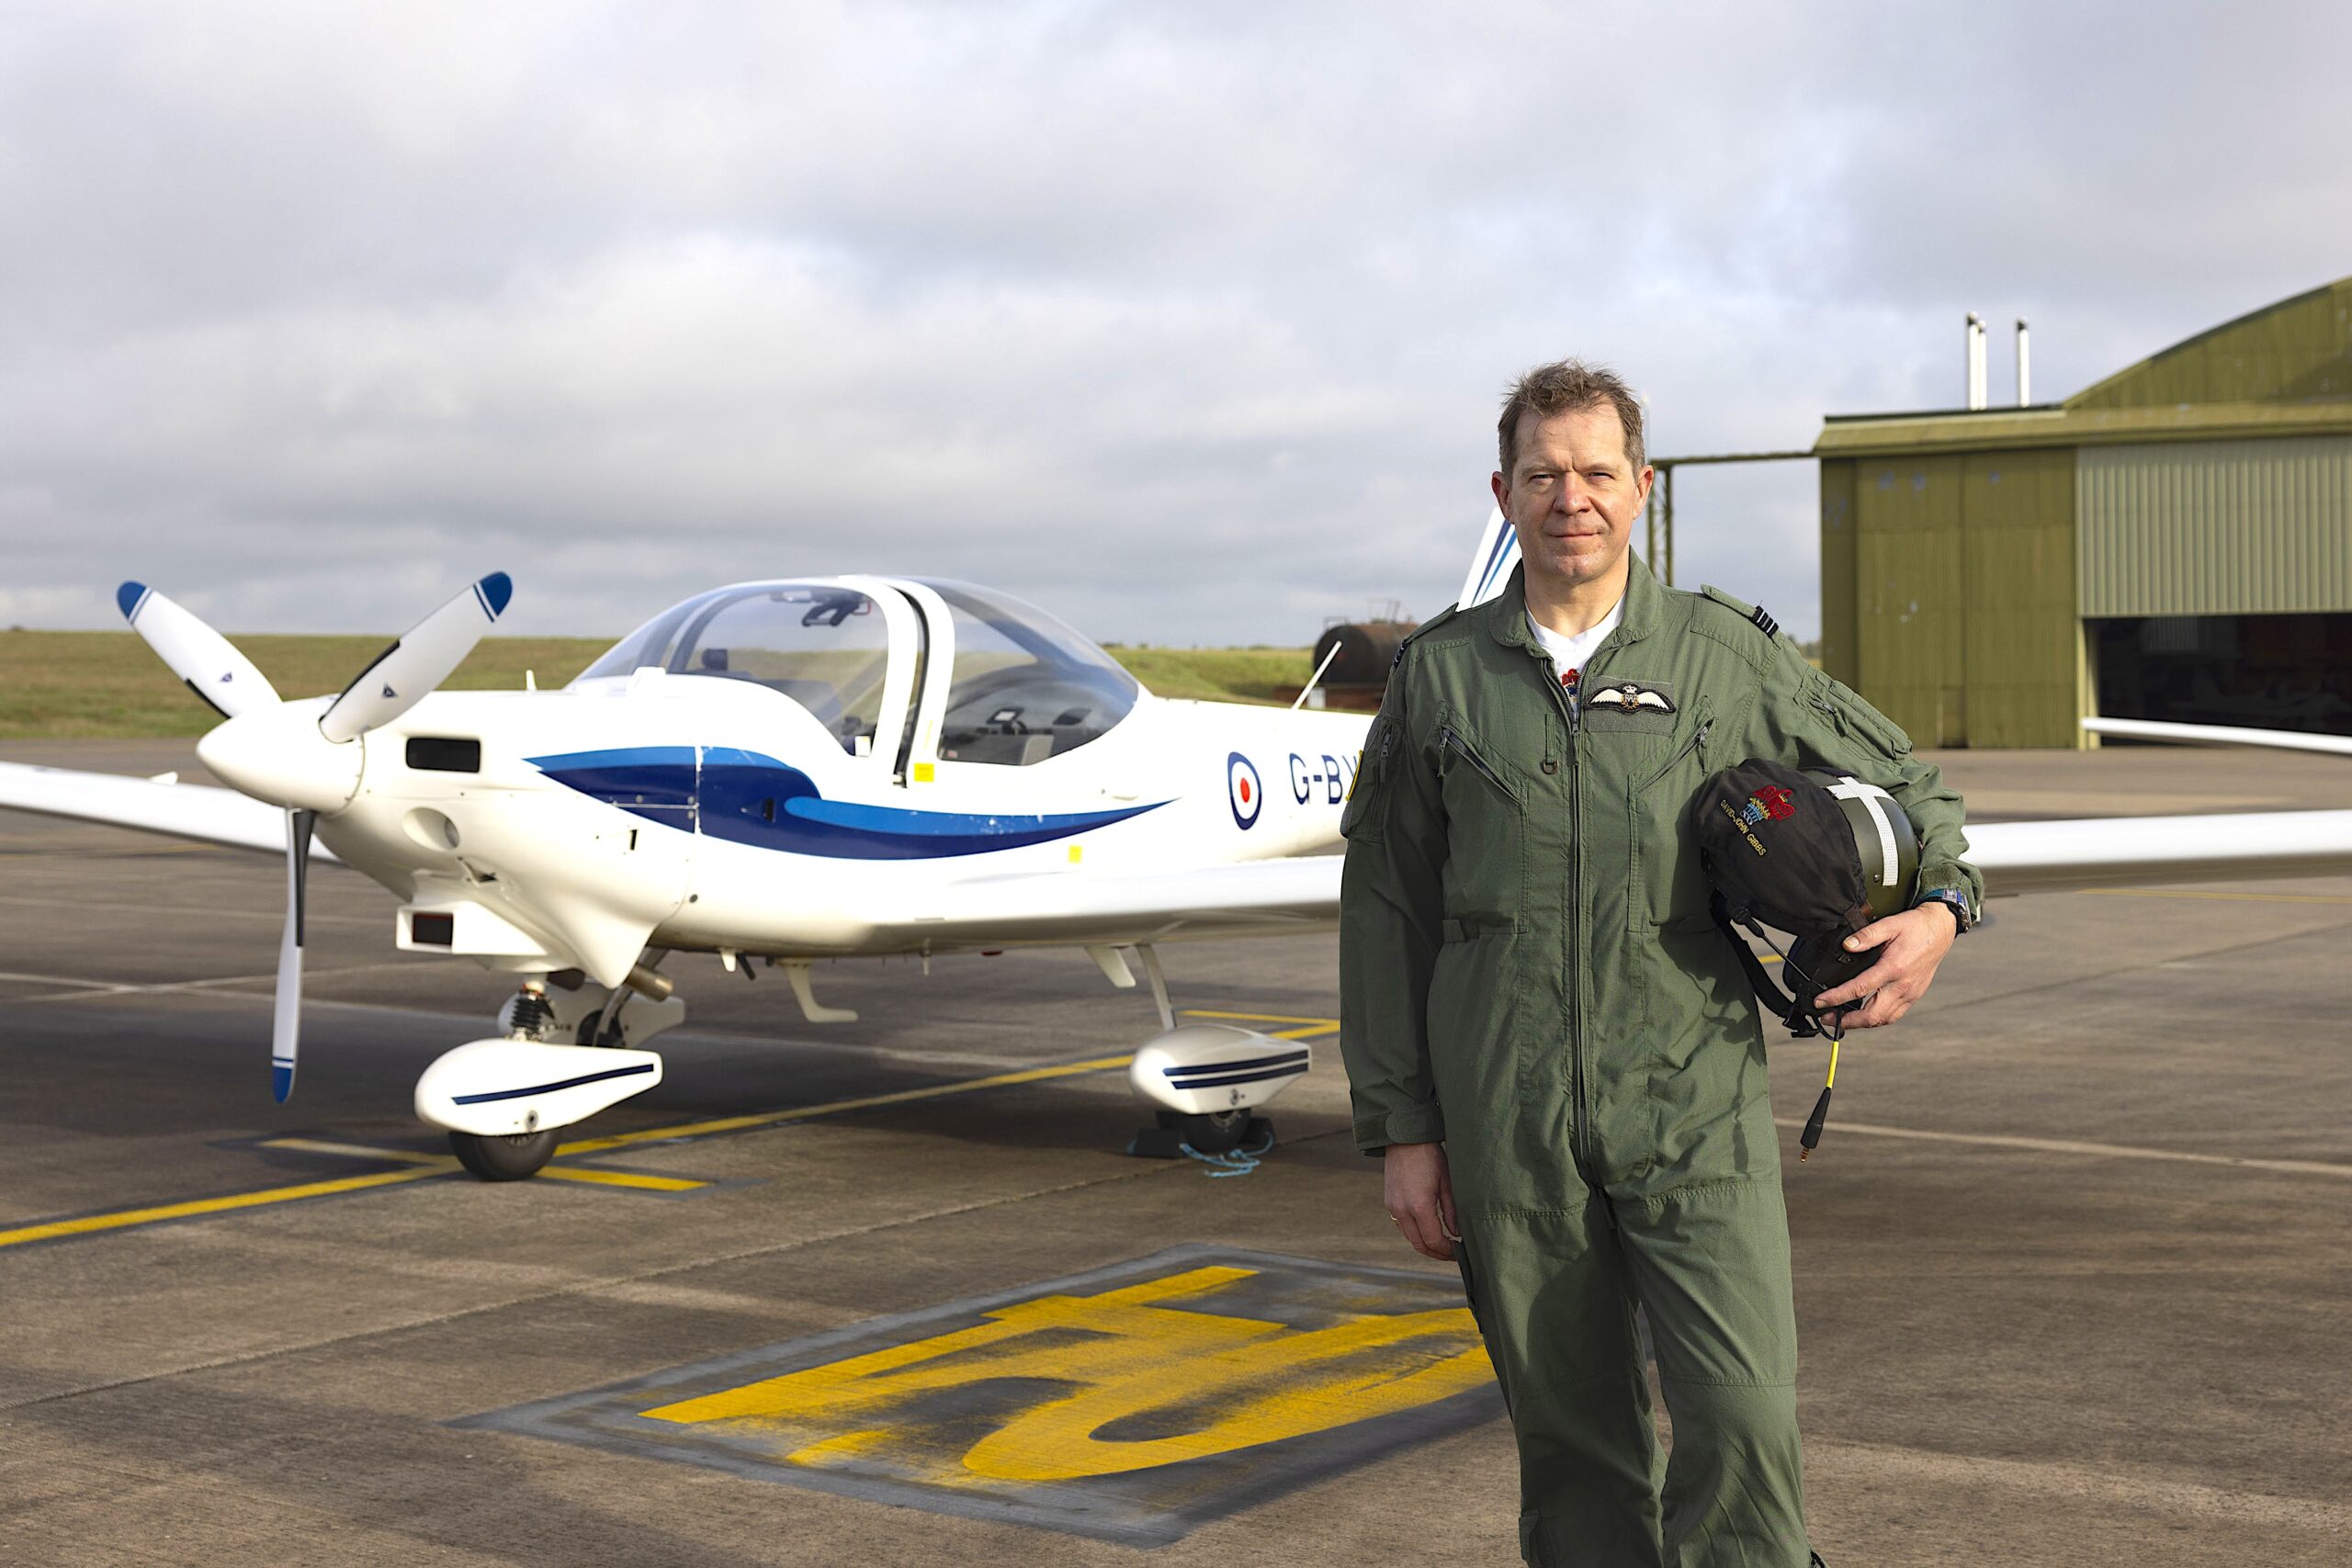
[1490, 567]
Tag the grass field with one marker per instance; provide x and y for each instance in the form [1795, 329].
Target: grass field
[58, 685]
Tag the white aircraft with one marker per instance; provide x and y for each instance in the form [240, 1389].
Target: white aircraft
[791, 770]
[840, 767]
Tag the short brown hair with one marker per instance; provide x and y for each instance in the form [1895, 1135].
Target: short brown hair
[1559, 387]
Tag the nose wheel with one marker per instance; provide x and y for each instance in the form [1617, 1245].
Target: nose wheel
[514, 1156]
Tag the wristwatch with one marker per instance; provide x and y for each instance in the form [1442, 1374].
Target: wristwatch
[1952, 898]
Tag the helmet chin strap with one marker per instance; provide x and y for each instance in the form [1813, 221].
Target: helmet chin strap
[1811, 1138]
[1803, 1022]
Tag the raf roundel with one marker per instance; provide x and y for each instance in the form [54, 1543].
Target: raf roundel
[1243, 791]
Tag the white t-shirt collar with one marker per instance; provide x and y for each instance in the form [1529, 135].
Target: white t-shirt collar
[1572, 653]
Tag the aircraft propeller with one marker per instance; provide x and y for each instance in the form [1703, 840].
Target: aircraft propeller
[204, 659]
[278, 751]
[427, 654]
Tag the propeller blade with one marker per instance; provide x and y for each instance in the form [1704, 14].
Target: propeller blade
[199, 656]
[424, 657]
[285, 1027]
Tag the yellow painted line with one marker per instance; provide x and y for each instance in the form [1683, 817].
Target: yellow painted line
[424, 1167]
[835, 1107]
[90, 1224]
[1258, 1017]
[2203, 893]
[444, 1162]
[623, 1178]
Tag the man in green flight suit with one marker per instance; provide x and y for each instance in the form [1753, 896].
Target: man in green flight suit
[1547, 1039]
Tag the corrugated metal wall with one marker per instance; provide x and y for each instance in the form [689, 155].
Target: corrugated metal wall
[1910, 629]
[1956, 615]
[2023, 643]
[1838, 649]
[2215, 527]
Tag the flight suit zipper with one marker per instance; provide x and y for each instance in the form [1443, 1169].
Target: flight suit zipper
[1580, 1077]
[1580, 1119]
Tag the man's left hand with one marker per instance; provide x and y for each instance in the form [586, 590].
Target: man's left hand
[1910, 946]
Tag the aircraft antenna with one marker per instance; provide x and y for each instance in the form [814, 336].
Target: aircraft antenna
[1300, 700]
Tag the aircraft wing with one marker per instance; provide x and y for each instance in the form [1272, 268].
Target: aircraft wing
[2117, 852]
[2218, 735]
[1302, 893]
[177, 810]
[1250, 898]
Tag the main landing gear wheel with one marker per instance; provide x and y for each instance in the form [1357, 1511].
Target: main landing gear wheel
[515, 1157]
[1218, 1132]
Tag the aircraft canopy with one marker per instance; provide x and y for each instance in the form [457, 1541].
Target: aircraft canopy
[854, 651]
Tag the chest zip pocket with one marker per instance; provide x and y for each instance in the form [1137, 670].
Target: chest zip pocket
[1450, 740]
[1703, 721]
[1661, 828]
[1485, 867]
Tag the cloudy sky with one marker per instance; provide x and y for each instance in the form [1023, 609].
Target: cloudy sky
[1187, 320]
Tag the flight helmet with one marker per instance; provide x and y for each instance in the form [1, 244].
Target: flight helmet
[1814, 852]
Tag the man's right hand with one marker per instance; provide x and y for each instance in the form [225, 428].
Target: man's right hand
[1419, 1196]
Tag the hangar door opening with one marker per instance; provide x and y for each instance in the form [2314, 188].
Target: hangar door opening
[2217, 580]
[2261, 671]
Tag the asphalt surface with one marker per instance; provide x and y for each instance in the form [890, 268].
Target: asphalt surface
[2074, 1263]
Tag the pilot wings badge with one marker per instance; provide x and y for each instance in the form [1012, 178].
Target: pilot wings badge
[1630, 697]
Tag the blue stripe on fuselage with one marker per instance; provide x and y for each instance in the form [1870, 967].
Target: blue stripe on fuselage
[746, 797]
[627, 777]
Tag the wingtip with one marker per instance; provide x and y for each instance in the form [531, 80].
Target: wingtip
[127, 599]
[496, 589]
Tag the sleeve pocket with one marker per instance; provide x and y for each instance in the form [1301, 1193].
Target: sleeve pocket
[1363, 819]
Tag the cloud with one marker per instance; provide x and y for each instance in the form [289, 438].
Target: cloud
[1185, 321]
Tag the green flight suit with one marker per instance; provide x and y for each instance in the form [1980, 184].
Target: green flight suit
[1528, 972]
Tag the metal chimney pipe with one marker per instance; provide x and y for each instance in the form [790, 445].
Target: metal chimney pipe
[2025, 365]
[1975, 360]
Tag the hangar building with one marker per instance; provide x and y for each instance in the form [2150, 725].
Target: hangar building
[2175, 542]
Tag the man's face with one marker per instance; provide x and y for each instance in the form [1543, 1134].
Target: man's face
[1572, 496]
